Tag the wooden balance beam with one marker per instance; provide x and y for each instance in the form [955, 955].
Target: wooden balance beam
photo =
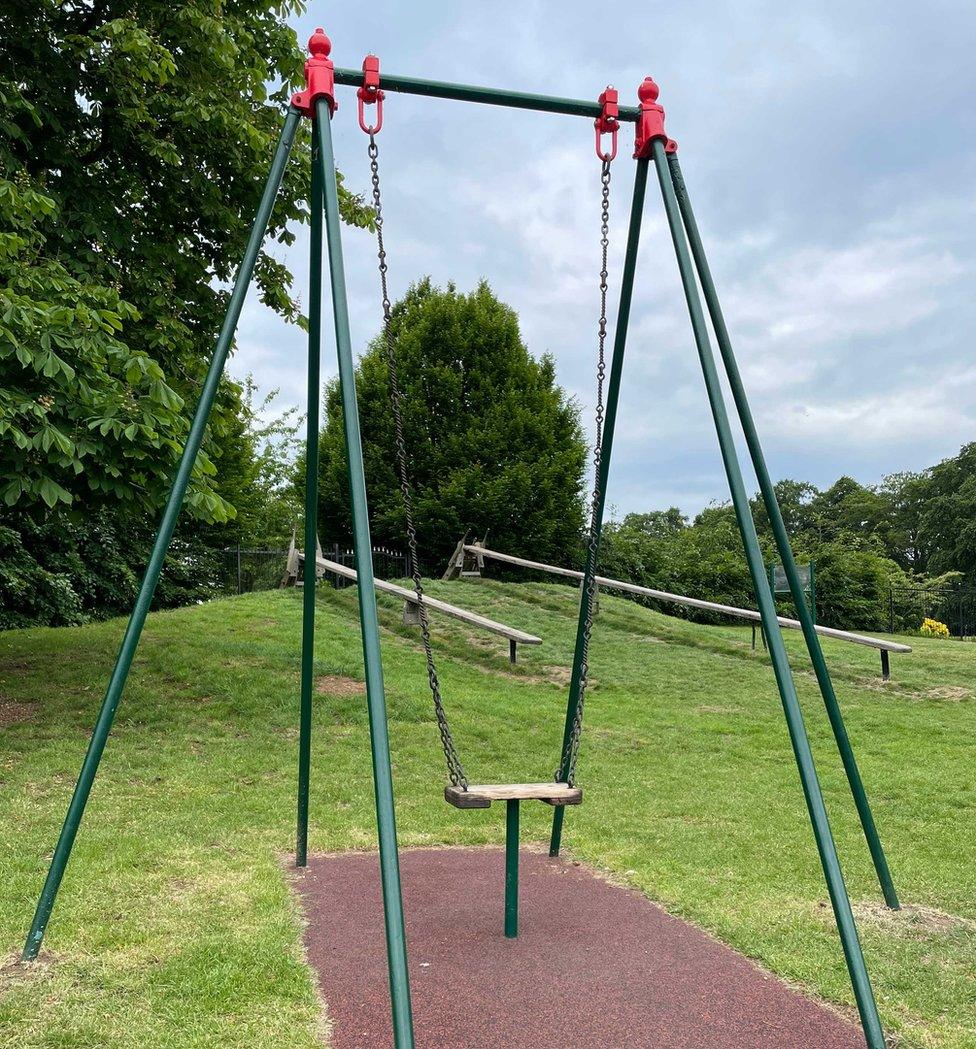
[411, 610]
[884, 647]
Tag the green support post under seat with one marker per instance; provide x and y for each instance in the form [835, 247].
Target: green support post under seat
[167, 525]
[805, 614]
[511, 867]
[613, 396]
[311, 506]
[396, 946]
[840, 901]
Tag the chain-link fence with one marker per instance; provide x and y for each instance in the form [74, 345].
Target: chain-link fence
[956, 607]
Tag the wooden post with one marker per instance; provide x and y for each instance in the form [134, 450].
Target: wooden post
[456, 562]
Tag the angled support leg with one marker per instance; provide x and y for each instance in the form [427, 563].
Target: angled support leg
[167, 525]
[613, 396]
[843, 915]
[804, 610]
[311, 506]
[396, 946]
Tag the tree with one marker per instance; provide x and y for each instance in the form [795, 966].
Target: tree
[906, 494]
[795, 499]
[948, 519]
[494, 444]
[254, 473]
[134, 143]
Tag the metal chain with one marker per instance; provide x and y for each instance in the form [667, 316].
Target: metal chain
[567, 766]
[455, 770]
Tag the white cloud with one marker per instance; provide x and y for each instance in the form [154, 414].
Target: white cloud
[842, 245]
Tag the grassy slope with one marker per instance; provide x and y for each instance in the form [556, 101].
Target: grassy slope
[175, 926]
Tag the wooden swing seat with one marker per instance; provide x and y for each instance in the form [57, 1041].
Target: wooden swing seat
[480, 796]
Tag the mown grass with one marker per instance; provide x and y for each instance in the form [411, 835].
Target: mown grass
[176, 926]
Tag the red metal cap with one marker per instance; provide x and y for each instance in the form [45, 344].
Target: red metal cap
[650, 121]
[319, 76]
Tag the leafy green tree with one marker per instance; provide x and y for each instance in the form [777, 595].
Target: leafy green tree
[494, 444]
[254, 473]
[906, 494]
[948, 517]
[134, 141]
[853, 580]
[795, 500]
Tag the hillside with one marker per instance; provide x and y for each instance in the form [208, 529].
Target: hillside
[176, 926]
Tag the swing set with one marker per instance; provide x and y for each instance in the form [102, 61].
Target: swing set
[652, 146]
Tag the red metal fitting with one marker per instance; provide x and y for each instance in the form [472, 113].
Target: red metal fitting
[650, 122]
[370, 93]
[319, 76]
[607, 124]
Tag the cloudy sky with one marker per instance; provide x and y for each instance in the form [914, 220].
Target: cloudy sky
[830, 152]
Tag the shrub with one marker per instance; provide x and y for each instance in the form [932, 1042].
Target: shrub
[933, 628]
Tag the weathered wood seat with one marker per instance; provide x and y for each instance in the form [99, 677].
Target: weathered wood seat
[480, 796]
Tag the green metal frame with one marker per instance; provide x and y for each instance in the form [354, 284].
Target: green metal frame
[311, 502]
[511, 867]
[843, 915]
[807, 620]
[609, 425]
[324, 198]
[167, 525]
[396, 946]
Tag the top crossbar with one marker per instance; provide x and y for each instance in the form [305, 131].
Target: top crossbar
[491, 96]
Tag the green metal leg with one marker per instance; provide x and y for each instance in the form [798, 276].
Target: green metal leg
[311, 509]
[511, 867]
[167, 525]
[613, 395]
[396, 946]
[806, 614]
[781, 667]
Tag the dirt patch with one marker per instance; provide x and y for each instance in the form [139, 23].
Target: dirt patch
[336, 685]
[14, 971]
[558, 675]
[914, 921]
[956, 693]
[706, 709]
[11, 713]
[617, 740]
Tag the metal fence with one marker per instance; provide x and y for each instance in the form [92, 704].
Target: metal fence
[954, 606]
[246, 570]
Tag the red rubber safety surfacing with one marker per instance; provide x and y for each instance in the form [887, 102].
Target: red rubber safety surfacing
[594, 965]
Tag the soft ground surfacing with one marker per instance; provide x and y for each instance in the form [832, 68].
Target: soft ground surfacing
[595, 966]
[176, 928]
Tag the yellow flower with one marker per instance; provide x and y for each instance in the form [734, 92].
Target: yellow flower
[933, 628]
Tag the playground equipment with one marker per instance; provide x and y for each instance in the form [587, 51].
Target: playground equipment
[411, 615]
[318, 103]
[480, 553]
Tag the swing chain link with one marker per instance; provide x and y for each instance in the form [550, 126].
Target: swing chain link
[455, 770]
[567, 767]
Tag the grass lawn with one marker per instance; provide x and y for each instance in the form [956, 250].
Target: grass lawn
[176, 926]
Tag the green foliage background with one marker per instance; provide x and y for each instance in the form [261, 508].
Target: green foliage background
[135, 140]
[912, 530]
[494, 444]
